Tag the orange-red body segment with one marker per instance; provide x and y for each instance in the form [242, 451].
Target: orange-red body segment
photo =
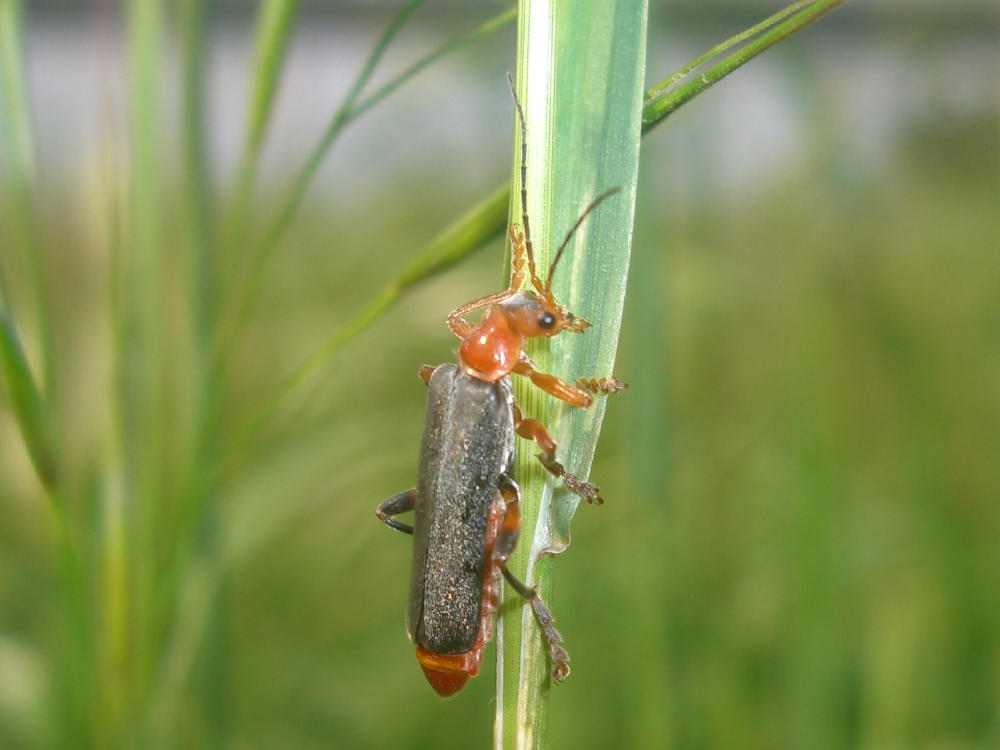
[492, 348]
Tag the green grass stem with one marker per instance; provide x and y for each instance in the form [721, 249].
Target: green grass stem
[579, 77]
[471, 231]
[32, 409]
[349, 109]
[272, 35]
[662, 100]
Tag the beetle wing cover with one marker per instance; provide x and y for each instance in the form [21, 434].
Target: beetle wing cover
[468, 441]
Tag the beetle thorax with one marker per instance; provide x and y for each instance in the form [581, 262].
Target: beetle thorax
[492, 348]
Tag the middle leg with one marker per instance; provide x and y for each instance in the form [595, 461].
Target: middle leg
[532, 429]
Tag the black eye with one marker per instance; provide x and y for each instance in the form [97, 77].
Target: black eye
[546, 320]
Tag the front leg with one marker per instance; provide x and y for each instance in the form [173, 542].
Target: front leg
[606, 386]
[552, 385]
[577, 395]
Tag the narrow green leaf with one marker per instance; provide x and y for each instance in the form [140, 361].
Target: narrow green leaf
[257, 258]
[580, 72]
[469, 232]
[663, 100]
[274, 24]
[718, 49]
[13, 97]
[31, 410]
[140, 340]
[452, 45]
[472, 230]
[197, 189]
[349, 110]
[273, 29]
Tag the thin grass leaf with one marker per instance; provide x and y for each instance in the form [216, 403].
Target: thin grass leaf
[580, 72]
[448, 248]
[469, 233]
[273, 30]
[13, 96]
[348, 111]
[663, 101]
[139, 348]
[274, 24]
[195, 546]
[248, 275]
[718, 49]
[197, 188]
[32, 414]
[452, 45]
[257, 260]
[17, 143]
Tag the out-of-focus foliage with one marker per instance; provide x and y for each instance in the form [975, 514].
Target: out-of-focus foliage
[799, 547]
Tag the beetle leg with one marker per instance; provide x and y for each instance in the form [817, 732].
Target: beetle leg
[459, 325]
[504, 546]
[601, 385]
[532, 429]
[552, 385]
[395, 505]
[522, 264]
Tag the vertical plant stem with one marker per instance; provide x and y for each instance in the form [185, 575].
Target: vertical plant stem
[189, 557]
[251, 272]
[139, 352]
[274, 24]
[580, 70]
[32, 409]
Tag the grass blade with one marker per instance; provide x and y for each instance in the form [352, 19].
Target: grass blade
[486, 220]
[273, 29]
[250, 273]
[580, 71]
[274, 24]
[662, 101]
[452, 45]
[134, 523]
[349, 110]
[31, 410]
[471, 231]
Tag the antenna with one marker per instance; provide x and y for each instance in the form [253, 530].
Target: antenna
[559, 252]
[524, 190]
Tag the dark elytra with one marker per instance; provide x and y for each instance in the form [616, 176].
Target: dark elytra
[468, 442]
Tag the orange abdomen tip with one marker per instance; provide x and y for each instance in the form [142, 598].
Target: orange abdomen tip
[446, 682]
[448, 673]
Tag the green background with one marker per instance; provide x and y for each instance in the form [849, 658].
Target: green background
[799, 547]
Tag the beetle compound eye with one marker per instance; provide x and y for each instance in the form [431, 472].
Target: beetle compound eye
[546, 320]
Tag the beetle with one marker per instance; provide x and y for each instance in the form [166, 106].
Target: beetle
[466, 502]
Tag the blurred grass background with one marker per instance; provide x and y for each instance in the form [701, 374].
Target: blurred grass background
[800, 544]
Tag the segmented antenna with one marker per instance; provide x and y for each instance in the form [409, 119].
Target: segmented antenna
[524, 190]
[559, 252]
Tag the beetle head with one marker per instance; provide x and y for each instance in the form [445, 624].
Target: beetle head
[531, 314]
[537, 313]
